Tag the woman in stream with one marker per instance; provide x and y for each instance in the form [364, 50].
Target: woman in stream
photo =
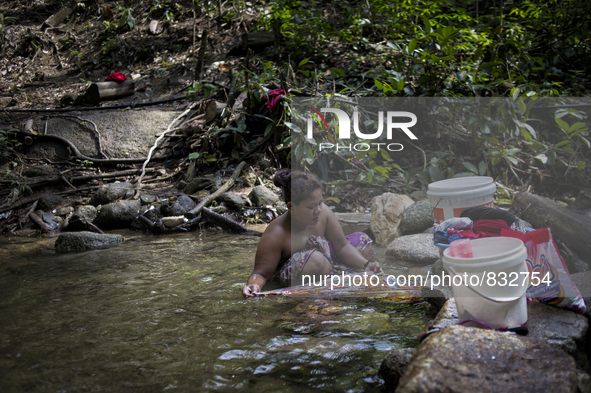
[307, 239]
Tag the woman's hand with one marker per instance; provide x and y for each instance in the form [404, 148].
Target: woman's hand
[250, 290]
[374, 268]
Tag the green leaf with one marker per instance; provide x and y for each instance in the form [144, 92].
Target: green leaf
[305, 61]
[400, 85]
[512, 160]
[411, 46]
[463, 174]
[211, 158]
[293, 127]
[385, 155]
[513, 151]
[482, 168]
[269, 128]
[569, 150]
[435, 173]
[379, 84]
[565, 142]
[562, 124]
[585, 141]
[194, 156]
[470, 167]
[581, 165]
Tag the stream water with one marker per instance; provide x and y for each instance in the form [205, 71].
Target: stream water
[166, 313]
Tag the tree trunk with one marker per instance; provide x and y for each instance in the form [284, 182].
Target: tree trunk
[573, 227]
[103, 91]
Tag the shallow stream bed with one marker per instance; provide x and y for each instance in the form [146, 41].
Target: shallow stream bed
[166, 313]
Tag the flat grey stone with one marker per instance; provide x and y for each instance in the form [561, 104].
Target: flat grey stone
[437, 295]
[233, 200]
[418, 248]
[354, 222]
[81, 241]
[417, 217]
[262, 196]
[461, 359]
[128, 133]
[111, 192]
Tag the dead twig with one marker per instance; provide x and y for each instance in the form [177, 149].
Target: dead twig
[168, 129]
[227, 185]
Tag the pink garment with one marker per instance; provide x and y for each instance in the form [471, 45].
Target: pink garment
[274, 98]
[116, 77]
[482, 228]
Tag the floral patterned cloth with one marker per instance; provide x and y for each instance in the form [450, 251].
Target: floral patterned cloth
[293, 266]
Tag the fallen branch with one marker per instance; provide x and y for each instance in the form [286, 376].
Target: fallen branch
[227, 185]
[168, 129]
[37, 220]
[226, 223]
[31, 210]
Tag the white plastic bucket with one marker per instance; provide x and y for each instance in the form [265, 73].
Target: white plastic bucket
[499, 296]
[449, 197]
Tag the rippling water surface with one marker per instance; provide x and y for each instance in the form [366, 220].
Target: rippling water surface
[165, 313]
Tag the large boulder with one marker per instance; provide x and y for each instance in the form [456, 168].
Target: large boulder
[81, 241]
[262, 196]
[118, 214]
[461, 359]
[182, 205]
[386, 213]
[112, 192]
[417, 249]
[558, 327]
[417, 217]
[354, 222]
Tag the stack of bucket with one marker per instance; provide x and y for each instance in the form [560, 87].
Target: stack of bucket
[493, 287]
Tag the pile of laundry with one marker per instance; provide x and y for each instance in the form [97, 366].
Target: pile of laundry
[477, 222]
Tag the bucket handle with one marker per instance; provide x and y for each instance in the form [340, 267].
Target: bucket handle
[492, 299]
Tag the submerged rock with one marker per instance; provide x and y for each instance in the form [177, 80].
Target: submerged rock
[417, 248]
[394, 366]
[81, 241]
[417, 217]
[386, 213]
[460, 359]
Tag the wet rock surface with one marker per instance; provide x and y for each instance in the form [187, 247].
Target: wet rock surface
[417, 217]
[395, 364]
[460, 359]
[81, 241]
[418, 248]
[386, 213]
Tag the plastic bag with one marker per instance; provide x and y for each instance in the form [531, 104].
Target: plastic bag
[550, 281]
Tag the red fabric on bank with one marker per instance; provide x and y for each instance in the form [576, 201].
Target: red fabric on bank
[274, 98]
[116, 77]
[482, 228]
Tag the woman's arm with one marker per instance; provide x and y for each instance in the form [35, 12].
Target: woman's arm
[343, 249]
[267, 258]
